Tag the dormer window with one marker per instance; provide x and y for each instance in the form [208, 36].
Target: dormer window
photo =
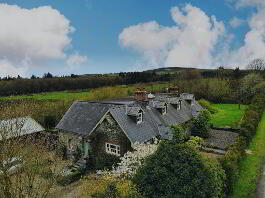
[176, 103]
[139, 118]
[135, 113]
[160, 106]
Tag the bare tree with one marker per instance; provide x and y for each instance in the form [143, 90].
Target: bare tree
[27, 170]
[256, 65]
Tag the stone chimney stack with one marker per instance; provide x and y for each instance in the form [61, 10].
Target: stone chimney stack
[141, 95]
[174, 90]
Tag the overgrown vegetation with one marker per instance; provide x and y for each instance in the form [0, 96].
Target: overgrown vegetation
[243, 172]
[251, 167]
[27, 168]
[207, 105]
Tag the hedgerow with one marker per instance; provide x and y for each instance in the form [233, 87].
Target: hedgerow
[252, 117]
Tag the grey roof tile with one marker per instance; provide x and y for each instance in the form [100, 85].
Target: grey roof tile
[82, 117]
[135, 132]
[221, 139]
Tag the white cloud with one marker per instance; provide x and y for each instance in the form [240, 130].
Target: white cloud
[246, 3]
[35, 35]
[236, 22]
[7, 69]
[197, 40]
[76, 59]
[254, 42]
[191, 42]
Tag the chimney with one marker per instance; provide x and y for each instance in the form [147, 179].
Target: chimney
[173, 90]
[141, 95]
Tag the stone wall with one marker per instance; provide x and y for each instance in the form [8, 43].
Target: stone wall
[72, 142]
[109, 132]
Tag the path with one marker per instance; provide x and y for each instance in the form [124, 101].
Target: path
[261, 186]
[260, 191]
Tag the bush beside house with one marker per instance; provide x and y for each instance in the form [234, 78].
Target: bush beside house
[200, 125]
[178, 170]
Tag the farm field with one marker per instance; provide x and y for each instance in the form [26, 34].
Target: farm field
[227, 115]
[90, 94]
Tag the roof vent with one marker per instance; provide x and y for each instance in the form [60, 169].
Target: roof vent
[151, 96]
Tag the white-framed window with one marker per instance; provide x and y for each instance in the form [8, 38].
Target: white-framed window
[139, 118]
[113, 149]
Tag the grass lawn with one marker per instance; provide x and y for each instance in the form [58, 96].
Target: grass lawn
[251, 167]
[227, 115]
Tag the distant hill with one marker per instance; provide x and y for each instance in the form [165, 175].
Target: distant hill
[168, 69]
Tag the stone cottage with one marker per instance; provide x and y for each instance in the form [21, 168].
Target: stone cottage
[112, 126]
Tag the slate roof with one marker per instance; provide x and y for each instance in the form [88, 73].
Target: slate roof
[187, 96]
[196, 106]
[173, 100]
[159, 104]
[165, 132]
[221, 139]
[135, 132]
[83, 117]
[18, 127]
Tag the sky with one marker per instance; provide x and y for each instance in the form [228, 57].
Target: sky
[101, 36]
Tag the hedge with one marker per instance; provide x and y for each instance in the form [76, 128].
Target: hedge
[235, 156]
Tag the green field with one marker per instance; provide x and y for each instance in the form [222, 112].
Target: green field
[251, 167]
[90, 94]
[227, 115]
[59, 95]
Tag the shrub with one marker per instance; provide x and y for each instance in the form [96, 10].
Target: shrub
[105, 161]
[258, 103]
[179, 171]
[68, 179]
[110, 192]
[207, 105]
[200, 125]
[252, 117]
[178, 134]
[195, 142]
[230, 163]
[61, 151]
[108, 186]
